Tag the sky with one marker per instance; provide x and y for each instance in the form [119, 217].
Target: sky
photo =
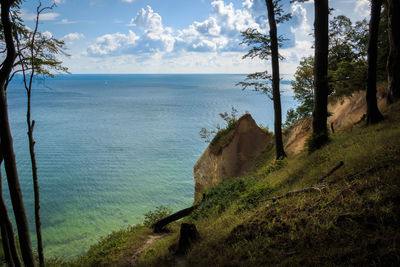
[175, 36]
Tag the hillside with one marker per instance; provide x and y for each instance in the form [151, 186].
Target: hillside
[351, 217]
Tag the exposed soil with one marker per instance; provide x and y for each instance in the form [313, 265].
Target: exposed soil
[132, 258]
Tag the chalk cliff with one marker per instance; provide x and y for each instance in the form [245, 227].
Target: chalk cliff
[233, 157]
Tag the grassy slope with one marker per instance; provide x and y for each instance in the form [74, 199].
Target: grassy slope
[354, 220]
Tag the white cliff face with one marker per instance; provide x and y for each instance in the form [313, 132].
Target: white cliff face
[234, 158]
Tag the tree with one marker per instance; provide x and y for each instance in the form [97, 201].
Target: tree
[7, 148]
[321, 91]
[35, 55]
[373, 113]
[276, 94]
[7, 232]
[303, 89]
[393, 63]
[264, 47]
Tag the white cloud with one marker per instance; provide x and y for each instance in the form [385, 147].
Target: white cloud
[112, 44]
[73, 36]
[128, 1]
[147, 19]
[212, 44]
[43, 17]
[47, 35]
[362, 8]
[66, 21]
[220, 32]
[301, 27]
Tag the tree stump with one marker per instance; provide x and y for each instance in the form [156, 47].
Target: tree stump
[188, 236]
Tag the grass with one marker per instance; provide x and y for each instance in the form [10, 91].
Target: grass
[113, 250]
[354, 220]
[223, 137]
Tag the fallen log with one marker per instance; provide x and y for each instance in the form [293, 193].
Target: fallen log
[316, 188]
[331, 172]
[159, 225]
[304, 190]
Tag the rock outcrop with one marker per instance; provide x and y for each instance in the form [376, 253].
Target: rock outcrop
[233, 157]
[238, 152]
[346, 111]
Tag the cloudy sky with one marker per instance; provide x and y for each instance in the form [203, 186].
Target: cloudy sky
[175, 36]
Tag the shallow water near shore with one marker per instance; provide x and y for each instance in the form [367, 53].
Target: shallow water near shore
[112, 147]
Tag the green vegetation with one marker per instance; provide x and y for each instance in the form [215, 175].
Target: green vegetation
[347, 65]
[222, 136]
[115, 249]
[2, 258]
[349, 218]
[352, 219]
[159, 213]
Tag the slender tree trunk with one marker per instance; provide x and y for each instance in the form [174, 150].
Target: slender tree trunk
[7, 232]
[320, 110]
[373, 113]
[5, 242]
[31, 125]
[7, 142]
[393, 64]
[276, 94]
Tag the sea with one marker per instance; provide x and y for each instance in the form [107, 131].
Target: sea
[112, 147]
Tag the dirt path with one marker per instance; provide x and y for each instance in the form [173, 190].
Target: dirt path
[150, 240]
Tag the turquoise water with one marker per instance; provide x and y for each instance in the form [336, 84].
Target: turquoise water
[111, 147]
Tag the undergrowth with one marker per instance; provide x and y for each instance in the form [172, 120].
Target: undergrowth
[353, 220]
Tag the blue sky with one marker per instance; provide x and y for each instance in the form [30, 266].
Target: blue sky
[175, 36]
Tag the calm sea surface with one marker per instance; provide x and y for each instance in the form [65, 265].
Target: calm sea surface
[112, 147]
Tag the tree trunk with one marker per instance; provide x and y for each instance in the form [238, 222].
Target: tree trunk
[159, 225]
[188, 235]
[320, 110]
[276, 94]
[393, 64]
[38, 223]
[7, 143]
[7, 232]
[373, 113]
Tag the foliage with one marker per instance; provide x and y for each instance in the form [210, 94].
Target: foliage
[159, 213]
[220, 136]
[303, 89]
[347, 67]
[259, 81]
[45, 49]
[265, 128]
[217, 199]
[314, 142]
[111, 249]
[260, 47]
[274, 166]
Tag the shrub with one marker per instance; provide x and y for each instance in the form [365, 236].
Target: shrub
[159, 213]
